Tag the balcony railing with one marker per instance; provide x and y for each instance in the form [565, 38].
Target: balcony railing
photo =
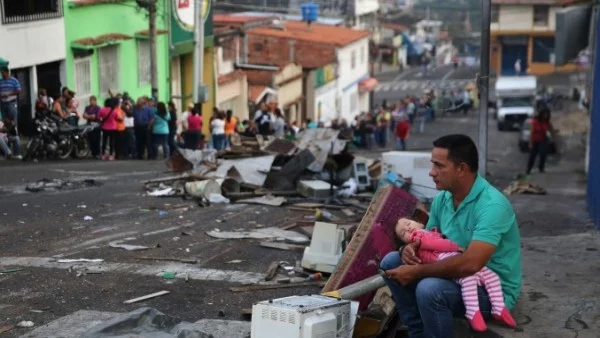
[19, 11]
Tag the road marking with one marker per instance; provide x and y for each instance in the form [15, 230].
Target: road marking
[181, 270]
[404, 74]
[447, 75]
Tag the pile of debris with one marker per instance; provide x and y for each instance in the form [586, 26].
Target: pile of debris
[576, 122]
[272, 172]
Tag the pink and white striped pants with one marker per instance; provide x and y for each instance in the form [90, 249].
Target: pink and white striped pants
[486, 277]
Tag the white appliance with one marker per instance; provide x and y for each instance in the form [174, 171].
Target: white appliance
[325, 250]
[413, 164]
[302, 317]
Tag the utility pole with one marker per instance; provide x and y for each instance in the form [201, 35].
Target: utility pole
[153, 36]
[198, 51]
[483, 84]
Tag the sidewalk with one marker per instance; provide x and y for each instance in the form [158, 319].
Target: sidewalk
[560, 253]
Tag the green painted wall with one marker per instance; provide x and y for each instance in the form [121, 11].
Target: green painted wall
[124, 18]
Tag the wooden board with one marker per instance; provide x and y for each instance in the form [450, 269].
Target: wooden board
[373, 239]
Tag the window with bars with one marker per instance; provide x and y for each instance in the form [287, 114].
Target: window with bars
[353, 59]
[353, 102]
[108, 68]
[17, 11]
[541, 15]
[144, 75]
[83, 76]
[363, 55]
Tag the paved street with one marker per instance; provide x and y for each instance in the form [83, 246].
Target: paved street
[395, 85]
[38, 228]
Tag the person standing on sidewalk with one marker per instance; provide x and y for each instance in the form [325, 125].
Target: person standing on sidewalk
[472, 213]
[90, 114]
[10, 88]
[539, 142]
[142, 115]
[402, 132]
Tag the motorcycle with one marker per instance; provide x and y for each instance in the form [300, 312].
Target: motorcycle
[56, 139]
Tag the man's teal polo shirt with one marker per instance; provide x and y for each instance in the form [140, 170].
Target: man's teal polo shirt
[487, 216]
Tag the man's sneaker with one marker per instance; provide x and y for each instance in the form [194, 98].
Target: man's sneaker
[104, 157]
[111, 158]
[18, 157]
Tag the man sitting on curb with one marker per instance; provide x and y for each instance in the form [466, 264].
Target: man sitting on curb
[476, 216]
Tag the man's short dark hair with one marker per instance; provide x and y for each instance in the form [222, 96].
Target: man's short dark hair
[4, 69]
[461, 148]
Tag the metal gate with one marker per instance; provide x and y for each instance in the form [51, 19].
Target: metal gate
[593, 181]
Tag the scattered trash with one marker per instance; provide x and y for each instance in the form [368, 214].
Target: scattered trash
[235, 261]
[128, 247]
[25, 323]
[218, 199]
[88, 218]
[25, 204]
[162, 192]
[81, 206]
[283, 246]
[6, 328]
[176, 239]
[186, 261]
[265, 200]
[272, 271]
[163, 213]
[60, 185]
[203, 189]
[523, 187]
[152, 295]
[349, 188]
[169, 275]
[264, 233]
[81, 260]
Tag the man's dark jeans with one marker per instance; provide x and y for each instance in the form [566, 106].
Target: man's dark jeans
[428, 307]
[142, 139]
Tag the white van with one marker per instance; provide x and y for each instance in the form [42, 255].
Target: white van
[515, 99]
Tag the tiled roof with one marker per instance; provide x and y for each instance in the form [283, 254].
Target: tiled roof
[317, 33]
[224, 19]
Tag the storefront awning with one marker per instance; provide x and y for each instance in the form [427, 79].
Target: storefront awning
[99, 41]
[367, 84]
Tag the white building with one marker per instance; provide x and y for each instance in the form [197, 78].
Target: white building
[32, 40]
[353, 78]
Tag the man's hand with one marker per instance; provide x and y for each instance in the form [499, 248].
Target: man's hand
[405, 274]
[409, 253]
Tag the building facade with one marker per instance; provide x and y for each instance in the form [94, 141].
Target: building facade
[181, 54]
[314, 48]
[524, 31]
[108, 48]
[32, 42]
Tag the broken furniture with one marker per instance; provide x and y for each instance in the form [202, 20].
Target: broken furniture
[325, 249]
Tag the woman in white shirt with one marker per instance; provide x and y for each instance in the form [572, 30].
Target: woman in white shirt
[278, 124]
[217, 129]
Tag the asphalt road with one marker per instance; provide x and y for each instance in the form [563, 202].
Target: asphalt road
[37, 228]
[396, 85]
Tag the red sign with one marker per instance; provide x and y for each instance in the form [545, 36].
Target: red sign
[183, 4]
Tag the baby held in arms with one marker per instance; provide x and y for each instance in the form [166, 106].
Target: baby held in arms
[434, 247]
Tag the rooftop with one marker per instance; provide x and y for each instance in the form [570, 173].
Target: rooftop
[318, 33]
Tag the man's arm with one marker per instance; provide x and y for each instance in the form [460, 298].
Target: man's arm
[466, 264]
[491, 223]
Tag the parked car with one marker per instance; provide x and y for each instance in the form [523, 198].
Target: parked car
[525, 135]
